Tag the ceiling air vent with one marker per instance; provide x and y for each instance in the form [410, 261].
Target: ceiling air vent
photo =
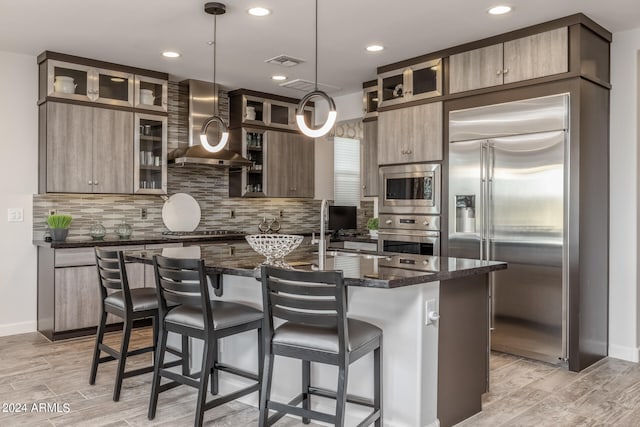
[308, 86]
[285, 61]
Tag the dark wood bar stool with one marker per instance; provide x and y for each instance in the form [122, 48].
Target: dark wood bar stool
[313, 304]
[184, 282]
[129, 304]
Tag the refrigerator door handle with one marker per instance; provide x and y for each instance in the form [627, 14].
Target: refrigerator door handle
[483, 185]
[488, 209]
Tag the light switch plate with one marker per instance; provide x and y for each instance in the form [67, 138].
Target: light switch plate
[15, 214]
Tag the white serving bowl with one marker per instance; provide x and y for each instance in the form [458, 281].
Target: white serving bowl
[64, 84]
[274, 246]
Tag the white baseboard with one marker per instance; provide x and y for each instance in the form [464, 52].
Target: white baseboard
[18, 328]
[630, 354]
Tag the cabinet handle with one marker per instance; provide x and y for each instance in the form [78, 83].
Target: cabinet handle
[388, 221]
[95, 182]
[364, 187]
[498, 72]
[409, 152]
[506, 70]
[426, 223]
[90, 182]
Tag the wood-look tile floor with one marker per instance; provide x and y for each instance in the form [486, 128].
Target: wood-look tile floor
[523, 392]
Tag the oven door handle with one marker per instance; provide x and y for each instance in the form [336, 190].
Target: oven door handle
[434, 234]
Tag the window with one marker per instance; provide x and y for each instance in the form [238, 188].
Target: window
[346, 172]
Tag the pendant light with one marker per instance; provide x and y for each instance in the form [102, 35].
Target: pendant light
[215, 9]
[331, 118]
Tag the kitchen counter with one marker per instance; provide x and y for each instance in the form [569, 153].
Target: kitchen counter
[433, 311]
[368, 269]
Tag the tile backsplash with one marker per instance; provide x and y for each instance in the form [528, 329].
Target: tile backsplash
[209, 186]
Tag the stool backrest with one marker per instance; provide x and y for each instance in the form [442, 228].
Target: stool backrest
[305, 297]
[112, 273]
[182, 281]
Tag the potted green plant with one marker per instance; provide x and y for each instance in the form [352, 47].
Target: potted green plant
[372, 225]
[59, 226]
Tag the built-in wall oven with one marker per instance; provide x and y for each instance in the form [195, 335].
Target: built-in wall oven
[409, 234]
[410, 189]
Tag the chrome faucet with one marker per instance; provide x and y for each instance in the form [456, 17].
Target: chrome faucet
[322, 243]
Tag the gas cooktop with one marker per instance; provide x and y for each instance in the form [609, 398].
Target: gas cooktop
[201, 233]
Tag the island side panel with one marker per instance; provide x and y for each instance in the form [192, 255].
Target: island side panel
[463, 348]
[45, 291]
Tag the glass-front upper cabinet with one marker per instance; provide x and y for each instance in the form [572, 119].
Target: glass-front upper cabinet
[281, 114]
[150, 93]
[150, 151]
[84, 83]
[253, 148]
[254, 111]
[370, 99]
[419, 81]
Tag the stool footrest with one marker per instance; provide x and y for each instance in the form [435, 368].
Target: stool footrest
[236, 371]
[139, 371]
[370, 419]
[106, 359]
[168, 386]
[111, 352]
[140, 351]
[179, 378]
[301, 412]
[323, 392]
[231, 396]
[275, 417]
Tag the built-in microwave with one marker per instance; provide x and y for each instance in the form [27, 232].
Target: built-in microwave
[413, 188]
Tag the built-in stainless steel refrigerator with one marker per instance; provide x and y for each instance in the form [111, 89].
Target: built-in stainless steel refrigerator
[507, 201]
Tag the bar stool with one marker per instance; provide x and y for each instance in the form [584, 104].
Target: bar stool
[128, 304]
[184, 282]
[316, 329]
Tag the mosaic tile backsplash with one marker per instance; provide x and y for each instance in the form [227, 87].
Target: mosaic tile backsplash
[209, 186]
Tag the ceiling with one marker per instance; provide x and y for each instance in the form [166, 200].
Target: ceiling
[136, 32]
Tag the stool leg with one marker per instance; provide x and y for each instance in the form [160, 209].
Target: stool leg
[214, 371]
[154, 320]
[306, 383]
[260, 361]
[207, 360]
[377, 382]
[185, 355]
[341, 395]
[266, 390]
[96, 351]
[160, 350]
[124, 348]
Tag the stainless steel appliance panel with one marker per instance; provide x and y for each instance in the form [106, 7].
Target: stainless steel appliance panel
[417, 243]
[512, 118]
[410, 189]
[410, 222]
[513, 187]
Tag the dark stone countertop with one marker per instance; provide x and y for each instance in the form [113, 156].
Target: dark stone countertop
[368, 269]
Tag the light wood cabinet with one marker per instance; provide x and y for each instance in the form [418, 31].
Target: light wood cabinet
[525, 58]
[289, 165]
[370, 159]
[88, 149]
[410, 135]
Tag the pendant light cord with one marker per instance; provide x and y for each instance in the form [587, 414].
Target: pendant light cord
[215, 88]
[316, 83]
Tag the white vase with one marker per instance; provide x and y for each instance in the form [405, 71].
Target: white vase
[373, 234]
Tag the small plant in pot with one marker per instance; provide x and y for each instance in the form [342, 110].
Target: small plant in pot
[372, 225]
[59, 227]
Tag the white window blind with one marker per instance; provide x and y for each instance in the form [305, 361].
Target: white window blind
[346, 172]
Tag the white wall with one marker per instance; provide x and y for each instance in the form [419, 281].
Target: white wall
[624, 333]
[18, 181]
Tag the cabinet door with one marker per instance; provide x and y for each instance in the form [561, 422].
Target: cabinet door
[113, 151]
[301, 168]
[424, 141]
[475, 69]
[77, 298]
[410, 135]
[113, 87]
[370, 159]
[535, 56]
[69, 148]
[393, 132]
[278, 161]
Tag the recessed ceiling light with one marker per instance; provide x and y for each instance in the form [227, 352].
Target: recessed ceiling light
[278, 78]
[170, 54]
[259, 11]
[500, 10]
[375, 48]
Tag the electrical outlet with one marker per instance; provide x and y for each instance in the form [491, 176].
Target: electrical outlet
[143, 213]
[52, 212]
[430, 312]
[281, 213]
[232, 213]
[15, 214]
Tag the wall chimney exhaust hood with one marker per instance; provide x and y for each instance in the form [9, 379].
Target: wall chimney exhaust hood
[196, 104]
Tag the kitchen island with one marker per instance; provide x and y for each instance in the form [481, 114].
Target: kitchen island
[435, 370]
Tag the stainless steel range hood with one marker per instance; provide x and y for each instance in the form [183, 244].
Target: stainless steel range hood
[196, 104]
